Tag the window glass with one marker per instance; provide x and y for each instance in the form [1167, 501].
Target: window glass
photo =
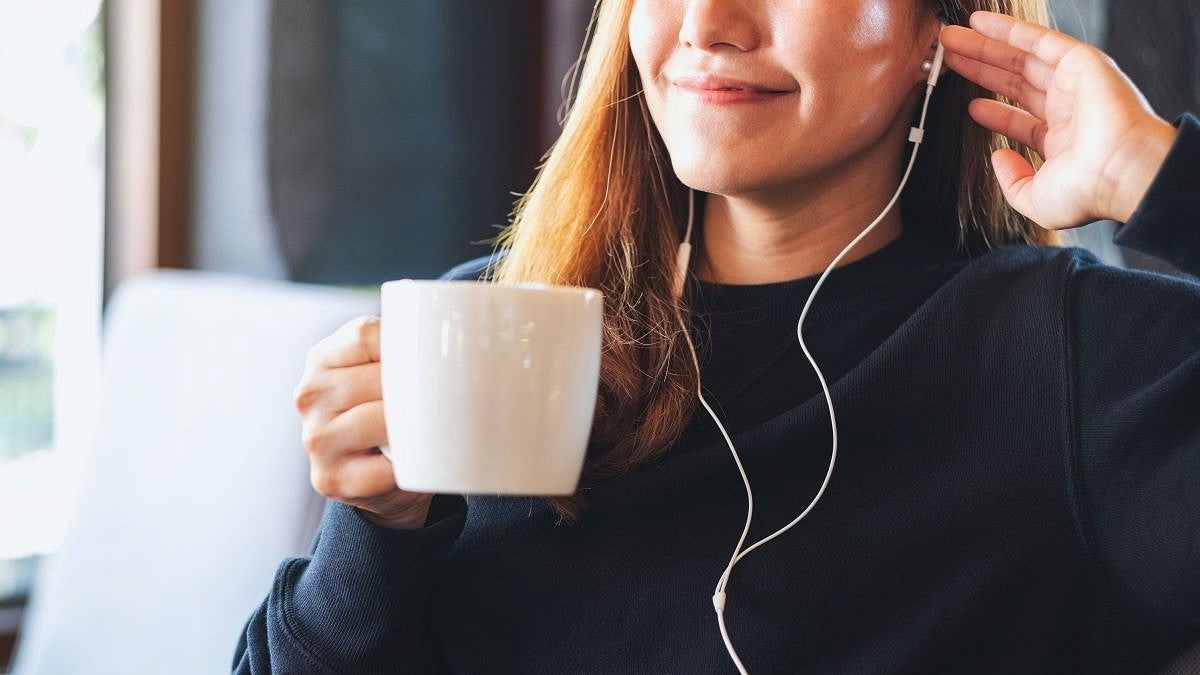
[51, 215]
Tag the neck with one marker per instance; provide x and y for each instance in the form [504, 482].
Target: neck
[783, 234]
[765, 250]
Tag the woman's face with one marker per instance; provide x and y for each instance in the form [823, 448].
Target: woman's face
[753, 95]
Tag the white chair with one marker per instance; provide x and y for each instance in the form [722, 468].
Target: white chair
[196, 486]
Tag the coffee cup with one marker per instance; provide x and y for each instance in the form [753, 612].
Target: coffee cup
[488, 388]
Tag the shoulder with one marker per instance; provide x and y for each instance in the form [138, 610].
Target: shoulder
[1039, 282]
[1034, 268]
[476, 269]
[1070, 266]
[1030, 258]
[1013, 285]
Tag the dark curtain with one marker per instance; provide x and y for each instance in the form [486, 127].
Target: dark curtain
[299, 125]
[1157, 44]
[398, 131]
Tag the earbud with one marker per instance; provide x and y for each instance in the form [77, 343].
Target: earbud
[934, 67]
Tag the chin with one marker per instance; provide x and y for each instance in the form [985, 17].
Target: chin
[723, 182]
[709, 169]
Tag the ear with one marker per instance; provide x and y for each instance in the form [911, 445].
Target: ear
[936, 24]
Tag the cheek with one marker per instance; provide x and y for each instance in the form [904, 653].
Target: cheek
[876, 23]
[650, 36]
[875, 40]
[650, 42]
[859, 75]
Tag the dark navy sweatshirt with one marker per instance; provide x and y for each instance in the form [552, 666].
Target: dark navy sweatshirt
[1017, 491]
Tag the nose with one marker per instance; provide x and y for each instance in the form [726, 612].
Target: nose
[716, 24]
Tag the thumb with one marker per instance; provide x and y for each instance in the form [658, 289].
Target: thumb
[1015, 175]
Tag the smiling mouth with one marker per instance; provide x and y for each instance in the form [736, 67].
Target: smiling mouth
[717, 83]
[729, 95]
[746, 90]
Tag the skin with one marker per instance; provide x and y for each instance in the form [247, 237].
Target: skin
[792, 180]
[339, 399]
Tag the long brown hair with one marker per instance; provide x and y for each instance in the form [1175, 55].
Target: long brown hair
[606, 211]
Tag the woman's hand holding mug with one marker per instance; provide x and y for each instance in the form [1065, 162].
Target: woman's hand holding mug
[339, 398]
[490, 389]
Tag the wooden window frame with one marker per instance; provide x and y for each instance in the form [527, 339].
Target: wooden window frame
[150, 57]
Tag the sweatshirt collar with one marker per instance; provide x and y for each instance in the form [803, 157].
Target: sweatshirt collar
[902, 263]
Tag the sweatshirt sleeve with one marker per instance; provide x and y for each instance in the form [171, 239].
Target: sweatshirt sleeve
[359, 604]
[1133, 357]
[1166, 224]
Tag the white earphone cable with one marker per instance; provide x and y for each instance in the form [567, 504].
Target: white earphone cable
[916, 135]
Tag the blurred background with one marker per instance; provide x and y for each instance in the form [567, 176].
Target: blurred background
[334, 144]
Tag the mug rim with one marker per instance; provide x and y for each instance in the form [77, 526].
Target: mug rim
[519, 286]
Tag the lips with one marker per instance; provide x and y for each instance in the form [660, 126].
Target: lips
[711, 82]
[724, 91]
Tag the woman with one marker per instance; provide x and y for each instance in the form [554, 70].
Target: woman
[1019, 432]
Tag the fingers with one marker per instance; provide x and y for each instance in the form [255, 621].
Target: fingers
[355, 342]
[355, 430]
[346, 462]
[327, 393]
[1048, 45]
[1010, 121]
[360, 477]
[963, 42]
[1004, 82]
[999, 67]
[1014, 173]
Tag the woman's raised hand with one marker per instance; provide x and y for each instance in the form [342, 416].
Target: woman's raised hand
[1101, 142]
[339, 399]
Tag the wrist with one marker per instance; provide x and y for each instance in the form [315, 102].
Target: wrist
[1136, 167]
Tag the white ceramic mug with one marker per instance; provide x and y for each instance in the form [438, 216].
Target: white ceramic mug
[488, 388]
